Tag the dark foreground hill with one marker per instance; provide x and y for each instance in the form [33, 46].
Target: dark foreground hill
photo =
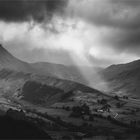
[20, 129]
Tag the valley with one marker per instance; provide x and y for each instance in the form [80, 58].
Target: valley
[80, 118]
[59, 108]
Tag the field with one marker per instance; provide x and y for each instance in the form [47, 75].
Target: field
[85, 116]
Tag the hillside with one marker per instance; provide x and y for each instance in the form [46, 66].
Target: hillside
[38, 101]
[20, 129]
[123, 78]
[38, 89]
[40, 82]
[7, 60]
[60, 71]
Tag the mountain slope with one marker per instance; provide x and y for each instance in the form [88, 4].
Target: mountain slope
[59, 71]
[9, 61]
[19, 129]
[43, 68]
[39, 83]
[39, 89]
[124, 78]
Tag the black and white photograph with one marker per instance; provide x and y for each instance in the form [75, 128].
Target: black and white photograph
[70, 69]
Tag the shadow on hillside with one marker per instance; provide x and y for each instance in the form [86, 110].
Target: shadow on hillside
[11, 128]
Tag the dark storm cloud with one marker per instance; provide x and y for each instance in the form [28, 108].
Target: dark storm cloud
[110, 13]
[134, 3]
[129, 13]
[127, 38]
[118, 22]
[125, 35]
[124, 40]
[119, 18]
[24, 10]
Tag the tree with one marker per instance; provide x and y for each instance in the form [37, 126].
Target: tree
[102, 101]
[116, 97]
[85, 109]
[91, 118]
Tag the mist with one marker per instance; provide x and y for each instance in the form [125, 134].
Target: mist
[60, 32]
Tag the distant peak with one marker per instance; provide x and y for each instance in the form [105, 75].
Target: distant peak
[1, 45]
[2, 49]
[4, 52]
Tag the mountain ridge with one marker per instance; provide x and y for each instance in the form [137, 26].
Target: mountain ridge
[23, 84]
[7, 60]
[123, 78]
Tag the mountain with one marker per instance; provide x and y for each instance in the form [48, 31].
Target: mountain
[39, 83]
[39, 89]
[8, 61]
[60, 71]
[86, 75]
[123, 78]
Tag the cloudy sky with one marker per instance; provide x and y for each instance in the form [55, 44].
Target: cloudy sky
[84, 32]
